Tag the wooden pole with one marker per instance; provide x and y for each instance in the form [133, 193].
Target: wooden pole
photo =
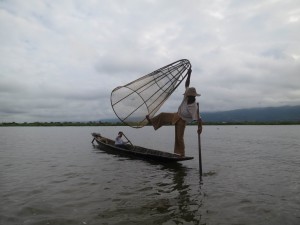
[199, 146]
[127, 139]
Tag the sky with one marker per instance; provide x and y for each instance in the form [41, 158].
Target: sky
[60, 59]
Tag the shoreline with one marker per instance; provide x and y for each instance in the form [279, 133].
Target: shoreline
[76, 124]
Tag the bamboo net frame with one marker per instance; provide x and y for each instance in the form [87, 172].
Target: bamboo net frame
[145, 96]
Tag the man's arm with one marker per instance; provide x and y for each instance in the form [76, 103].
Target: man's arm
[187, 82]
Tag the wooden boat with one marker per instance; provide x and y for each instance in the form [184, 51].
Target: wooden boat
[108, 145]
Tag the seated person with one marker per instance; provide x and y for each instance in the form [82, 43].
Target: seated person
[119, 142]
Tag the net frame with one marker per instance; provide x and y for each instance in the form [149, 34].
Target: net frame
[181, 67]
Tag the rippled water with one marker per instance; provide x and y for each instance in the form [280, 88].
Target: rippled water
[54, 175]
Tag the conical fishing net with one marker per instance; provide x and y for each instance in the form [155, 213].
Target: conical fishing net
[144, 96]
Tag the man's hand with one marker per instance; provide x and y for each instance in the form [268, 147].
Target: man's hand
[199, 131]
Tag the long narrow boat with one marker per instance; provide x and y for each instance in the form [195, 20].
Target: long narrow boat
[108, 145]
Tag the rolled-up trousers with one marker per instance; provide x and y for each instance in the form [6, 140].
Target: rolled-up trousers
[172, 119]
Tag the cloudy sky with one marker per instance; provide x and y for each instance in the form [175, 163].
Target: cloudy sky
[60, 59]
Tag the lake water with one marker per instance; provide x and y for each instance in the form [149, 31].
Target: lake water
[54, 175]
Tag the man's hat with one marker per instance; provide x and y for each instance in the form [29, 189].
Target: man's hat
[191, 92]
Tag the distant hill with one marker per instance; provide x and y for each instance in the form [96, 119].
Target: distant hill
[268, 114]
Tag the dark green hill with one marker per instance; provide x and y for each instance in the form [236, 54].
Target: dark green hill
[268, 114]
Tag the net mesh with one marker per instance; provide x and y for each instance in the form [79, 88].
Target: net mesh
[144, 96]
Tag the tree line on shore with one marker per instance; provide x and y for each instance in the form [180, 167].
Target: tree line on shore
[99, 123]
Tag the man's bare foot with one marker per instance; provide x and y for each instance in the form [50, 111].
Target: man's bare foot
[179, 155]
[148, 119]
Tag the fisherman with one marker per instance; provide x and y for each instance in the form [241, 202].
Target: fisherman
[187, 112]
[119, 142]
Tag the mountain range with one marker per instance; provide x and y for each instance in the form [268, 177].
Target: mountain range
[266, 114]
[251, 115]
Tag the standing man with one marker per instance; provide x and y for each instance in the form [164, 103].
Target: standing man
[187, 112]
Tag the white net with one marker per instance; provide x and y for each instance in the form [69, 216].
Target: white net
[144, 96]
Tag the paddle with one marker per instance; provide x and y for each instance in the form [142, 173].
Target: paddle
[199, 145]
[127, 139]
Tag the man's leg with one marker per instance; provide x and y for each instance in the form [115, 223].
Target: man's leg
[162, 119]
[179, 147]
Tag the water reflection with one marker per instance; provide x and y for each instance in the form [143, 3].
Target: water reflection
[164, 194]
[186, 207]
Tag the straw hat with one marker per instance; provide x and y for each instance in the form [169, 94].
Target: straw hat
[191, 92]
